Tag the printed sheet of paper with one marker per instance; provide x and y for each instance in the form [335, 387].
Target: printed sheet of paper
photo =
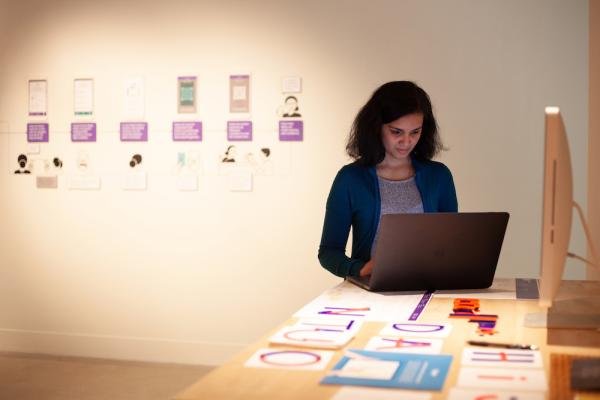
[187, 183]
[46, 182]
[501, 358]
[84, 182]
[349, 324]
[503, 378]
[291, 84]
[313, 337]
[240, 180]
[351, 393]
[405, 345]
[186, 94]
[239, 93]
[415, 329]
[501, 289]
[480, 394]
[133, 98]
[83, 97]
[38, 97]
[349, 301]
[134, 181]
[290, 359]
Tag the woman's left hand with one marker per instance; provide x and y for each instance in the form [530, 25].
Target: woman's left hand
[367, 268]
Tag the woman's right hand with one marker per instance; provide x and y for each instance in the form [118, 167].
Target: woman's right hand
[366, 269]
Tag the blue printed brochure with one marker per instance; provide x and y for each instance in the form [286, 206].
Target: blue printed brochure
[390, 370]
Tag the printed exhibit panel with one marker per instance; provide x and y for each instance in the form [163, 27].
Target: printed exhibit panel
[290, 359]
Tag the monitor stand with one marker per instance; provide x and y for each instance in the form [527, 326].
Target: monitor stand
[574, 318]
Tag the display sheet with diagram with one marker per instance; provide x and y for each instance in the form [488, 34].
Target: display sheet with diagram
[348, 344]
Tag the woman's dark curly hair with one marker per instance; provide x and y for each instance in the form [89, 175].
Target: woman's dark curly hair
[389, 102]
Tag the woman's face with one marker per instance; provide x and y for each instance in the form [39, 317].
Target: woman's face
[400, 137]
[291, 104]
[232, 152]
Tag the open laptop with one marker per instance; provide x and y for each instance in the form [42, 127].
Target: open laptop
[436, 251]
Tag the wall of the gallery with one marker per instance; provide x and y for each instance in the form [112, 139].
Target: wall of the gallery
[193, 276]
[594, 134]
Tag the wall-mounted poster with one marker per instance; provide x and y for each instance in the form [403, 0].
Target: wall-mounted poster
[239, 94]
[240, 180]
[291, 84]
[38, 97]
[186, 94]
[83, 177]
[83, 97]
[187, 169]
[133, 98]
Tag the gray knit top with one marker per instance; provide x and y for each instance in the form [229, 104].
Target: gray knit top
[397, 197]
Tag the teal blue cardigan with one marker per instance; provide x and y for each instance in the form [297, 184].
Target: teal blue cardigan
[354, 201]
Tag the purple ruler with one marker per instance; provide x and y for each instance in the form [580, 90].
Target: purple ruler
[421, 306]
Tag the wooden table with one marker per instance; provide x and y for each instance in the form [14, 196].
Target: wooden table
[234, 381]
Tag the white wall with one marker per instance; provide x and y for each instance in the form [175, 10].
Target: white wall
[593, 211]
[192, 277]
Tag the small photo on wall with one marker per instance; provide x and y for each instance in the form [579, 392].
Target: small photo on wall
[257, 159]
[290, 108]
[135, 177]
[24, 165]
[188, 163]
[230, 154]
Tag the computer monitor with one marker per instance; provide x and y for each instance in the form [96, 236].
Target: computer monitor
[558, 210]
[558, 206]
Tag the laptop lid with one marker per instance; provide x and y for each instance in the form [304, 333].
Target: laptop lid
[437, 251]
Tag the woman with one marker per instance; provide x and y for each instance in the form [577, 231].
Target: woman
[393, 140]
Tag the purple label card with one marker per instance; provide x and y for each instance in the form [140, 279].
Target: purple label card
[187, 131]
[38, 132]
[291, 131]
[239, 130]
[83, 132]
[134, 131]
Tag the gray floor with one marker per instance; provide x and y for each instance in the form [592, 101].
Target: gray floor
[24, 377]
